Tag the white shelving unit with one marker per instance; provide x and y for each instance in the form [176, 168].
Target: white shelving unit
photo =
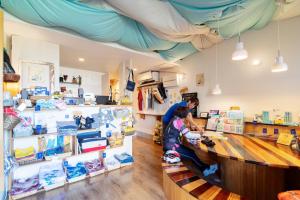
[51, 116]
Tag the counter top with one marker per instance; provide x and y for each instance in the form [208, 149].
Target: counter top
[154, 113]
[83, 106]
[253, 150]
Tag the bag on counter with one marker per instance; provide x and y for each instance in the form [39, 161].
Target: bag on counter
[130, 83]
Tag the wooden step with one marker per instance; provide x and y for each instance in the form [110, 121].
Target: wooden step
[191, 185]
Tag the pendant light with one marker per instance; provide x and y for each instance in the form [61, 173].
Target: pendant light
[217, 90]
[279, 65]
[240, 52]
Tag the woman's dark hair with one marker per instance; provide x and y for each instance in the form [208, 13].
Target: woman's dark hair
[181, 112]
[194, 100]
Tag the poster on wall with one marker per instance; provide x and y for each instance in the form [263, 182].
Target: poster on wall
[200, 79]
[37, 74]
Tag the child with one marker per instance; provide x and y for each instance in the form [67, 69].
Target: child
[172, 140]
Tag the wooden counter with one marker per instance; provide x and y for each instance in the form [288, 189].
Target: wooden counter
[254, 150]
[252, 167]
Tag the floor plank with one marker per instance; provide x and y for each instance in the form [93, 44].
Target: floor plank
[143, 180]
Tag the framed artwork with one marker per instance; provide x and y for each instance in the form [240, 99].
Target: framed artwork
[204, 115]
[200, 79]
[37, 74]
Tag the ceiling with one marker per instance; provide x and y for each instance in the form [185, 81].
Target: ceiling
[102, 57]
[105, 57]
[290, 9]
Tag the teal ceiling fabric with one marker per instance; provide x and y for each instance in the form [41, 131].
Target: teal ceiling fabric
[231, 15]
[104, 24]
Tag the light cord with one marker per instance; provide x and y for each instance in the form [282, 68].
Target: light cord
[278, 29]
[217, 64]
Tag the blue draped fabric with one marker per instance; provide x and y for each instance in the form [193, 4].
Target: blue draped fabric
[106, 25]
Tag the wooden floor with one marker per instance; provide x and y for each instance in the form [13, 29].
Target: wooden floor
[141, 181]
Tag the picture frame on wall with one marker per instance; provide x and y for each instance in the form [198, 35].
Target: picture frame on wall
[204, 115]
[37, 74]
[200, 79]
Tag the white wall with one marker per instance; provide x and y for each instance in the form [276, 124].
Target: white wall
[91, 80]
[253, 88]
[26, 49]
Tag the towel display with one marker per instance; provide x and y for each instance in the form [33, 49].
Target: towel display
[95, 165]
[112, 163]
[51, 174]
[74, 171]
[25, 153]
[20, 186]
[124, 158]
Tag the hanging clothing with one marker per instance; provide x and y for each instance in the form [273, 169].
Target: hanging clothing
[162, 90]
[146, 99]
[140, 100]
[149, 96]
[157, 96]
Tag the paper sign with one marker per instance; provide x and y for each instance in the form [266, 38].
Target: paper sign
[285, 139]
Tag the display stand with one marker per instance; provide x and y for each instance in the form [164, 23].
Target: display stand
[74, 156]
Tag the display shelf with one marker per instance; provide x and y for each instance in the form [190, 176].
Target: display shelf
[153, 113]
[70, 83]
[66, 155]
[29, 162]
[261, 123]
[149, 84]
[101, 172]
[55, 133]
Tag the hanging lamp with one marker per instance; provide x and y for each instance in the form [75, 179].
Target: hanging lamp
[217, 90]
[240, 52]
[279, 65]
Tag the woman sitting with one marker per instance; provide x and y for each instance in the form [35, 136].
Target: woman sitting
[172, 140]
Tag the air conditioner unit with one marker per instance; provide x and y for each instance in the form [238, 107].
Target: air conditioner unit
[148, 77]
[172, 80]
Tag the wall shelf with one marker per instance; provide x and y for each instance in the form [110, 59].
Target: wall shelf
[70, 83]
[149, 84]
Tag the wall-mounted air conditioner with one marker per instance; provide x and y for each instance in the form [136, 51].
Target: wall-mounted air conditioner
[148, 77]
[172, 80]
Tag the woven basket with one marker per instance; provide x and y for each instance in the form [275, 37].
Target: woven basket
[10, 77]
[10, 121]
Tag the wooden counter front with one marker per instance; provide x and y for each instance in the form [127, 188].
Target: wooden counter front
[252, 167]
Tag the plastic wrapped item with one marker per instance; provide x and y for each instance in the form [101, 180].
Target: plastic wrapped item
[22, 131]
[116, 140]
[10, 121]
[66, 127]
[111, 163]
[91, 141]
[75, 172]
[51, 176]
[9, 163]
[46, 104]
[24, 153]
[26, 185]
[124, 158]
[94, 167]
[96, 123]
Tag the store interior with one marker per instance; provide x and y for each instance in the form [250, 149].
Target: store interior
[95, 90]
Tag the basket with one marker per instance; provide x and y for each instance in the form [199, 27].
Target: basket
[10, 121]
[11, 77]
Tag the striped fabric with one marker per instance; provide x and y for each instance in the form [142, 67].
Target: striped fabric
[196, 186]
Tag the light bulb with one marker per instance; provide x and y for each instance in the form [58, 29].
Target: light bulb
[217, 90]
[279, 65]
[240, 53]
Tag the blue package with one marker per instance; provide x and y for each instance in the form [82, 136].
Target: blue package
[75, 171]
[124, 158]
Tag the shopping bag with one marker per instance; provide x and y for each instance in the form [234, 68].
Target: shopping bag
[130, 81]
